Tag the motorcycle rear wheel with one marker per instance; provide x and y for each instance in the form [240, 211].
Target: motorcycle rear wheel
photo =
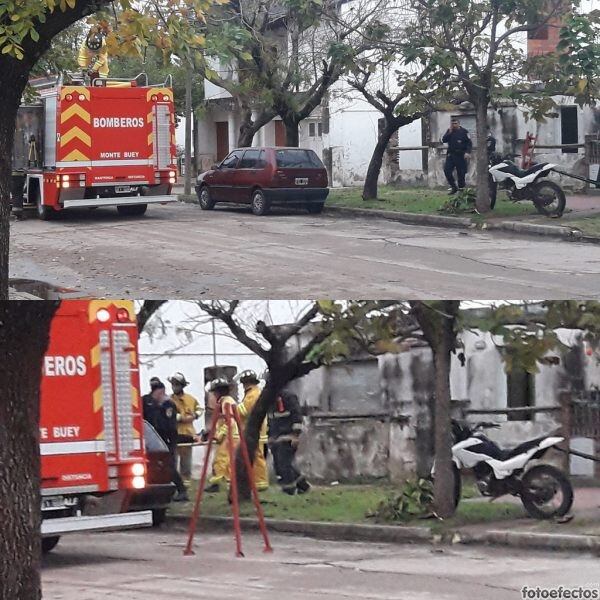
[540, 486]
[549, 198]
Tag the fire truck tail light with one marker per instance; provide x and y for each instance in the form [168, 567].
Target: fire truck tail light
[138, 469]
[69, 97]
[122, 315]
[81, 97]
[65, 178]
[154, 97]
[103, 315]
[172, 173]
[165, 98]
[65, 184]
[139, 483]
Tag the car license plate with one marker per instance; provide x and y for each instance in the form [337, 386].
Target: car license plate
[123, 189]
[301, 180]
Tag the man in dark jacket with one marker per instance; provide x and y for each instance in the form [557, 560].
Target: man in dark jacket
[459, 150]
[285, 427]
[160, 411]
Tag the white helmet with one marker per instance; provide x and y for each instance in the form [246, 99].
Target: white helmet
[220, 382]
[246, 376]
[178, 378]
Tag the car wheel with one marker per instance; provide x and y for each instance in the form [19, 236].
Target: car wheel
[158, 516]
[315, 208]
[260, 204]
[205, 199]
[49, 543]
[132, 210]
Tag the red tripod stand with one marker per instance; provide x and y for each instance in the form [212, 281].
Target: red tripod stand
[229, 413]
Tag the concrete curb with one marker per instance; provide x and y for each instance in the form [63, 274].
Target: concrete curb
[560, 231]
[398, 534]
[403, 217]
[544, 541]
[350, 532]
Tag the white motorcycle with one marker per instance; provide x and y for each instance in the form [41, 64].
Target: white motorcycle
[544, 490]
[526, 184]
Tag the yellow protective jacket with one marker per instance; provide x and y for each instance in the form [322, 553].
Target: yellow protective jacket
[245, 407]
[221, 433]
[187, 406]
[221, 463]
[94, 61]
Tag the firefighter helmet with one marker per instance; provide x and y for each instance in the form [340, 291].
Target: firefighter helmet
[247, 376]
[178, 378]
[216, 384]
[94, 41]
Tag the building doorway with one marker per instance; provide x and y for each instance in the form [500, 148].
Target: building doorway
[222, 139]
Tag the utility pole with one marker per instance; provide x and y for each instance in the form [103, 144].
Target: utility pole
[188, 130]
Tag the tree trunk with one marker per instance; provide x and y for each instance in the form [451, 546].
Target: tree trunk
[12, 84]
[443, 485]
[292, 132]
[247, 133]
[252, 431]
[251, 126]
[482, 186]
[383, 139]
[24, 333]
[437, 321]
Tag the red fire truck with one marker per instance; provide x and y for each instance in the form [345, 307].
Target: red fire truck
[91, 427]
[109, 143]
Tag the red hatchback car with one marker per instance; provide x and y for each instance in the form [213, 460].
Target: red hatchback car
[263, 177]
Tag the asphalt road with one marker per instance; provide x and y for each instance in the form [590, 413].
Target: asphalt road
[178, 251]
[149, 564]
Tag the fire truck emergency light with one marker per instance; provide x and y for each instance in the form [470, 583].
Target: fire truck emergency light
[139, 483]
[138, 469]
[103, 315]
[122, 315]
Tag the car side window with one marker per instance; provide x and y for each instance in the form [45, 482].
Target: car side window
[261, 163]
[250, 160]
[230, 162]
[153, 441]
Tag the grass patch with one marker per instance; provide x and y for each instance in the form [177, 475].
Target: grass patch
[589, 225]
[418, 201]
[338, 504]
[345, 504]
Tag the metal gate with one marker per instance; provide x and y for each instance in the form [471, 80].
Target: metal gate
[592, 157]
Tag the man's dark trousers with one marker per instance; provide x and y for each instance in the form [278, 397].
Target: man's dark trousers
[456, 161]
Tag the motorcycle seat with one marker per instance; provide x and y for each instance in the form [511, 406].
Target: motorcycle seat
[521, 448]
[520, 173]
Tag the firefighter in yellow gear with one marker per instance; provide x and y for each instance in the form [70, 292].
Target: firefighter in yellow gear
[220, 389]
[249, 379]
[188, 410]
[93, 54]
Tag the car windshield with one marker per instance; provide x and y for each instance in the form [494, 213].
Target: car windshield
[297, 159]
[153, 441]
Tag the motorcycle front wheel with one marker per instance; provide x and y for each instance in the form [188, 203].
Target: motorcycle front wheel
[549, 198]
[546, 492]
